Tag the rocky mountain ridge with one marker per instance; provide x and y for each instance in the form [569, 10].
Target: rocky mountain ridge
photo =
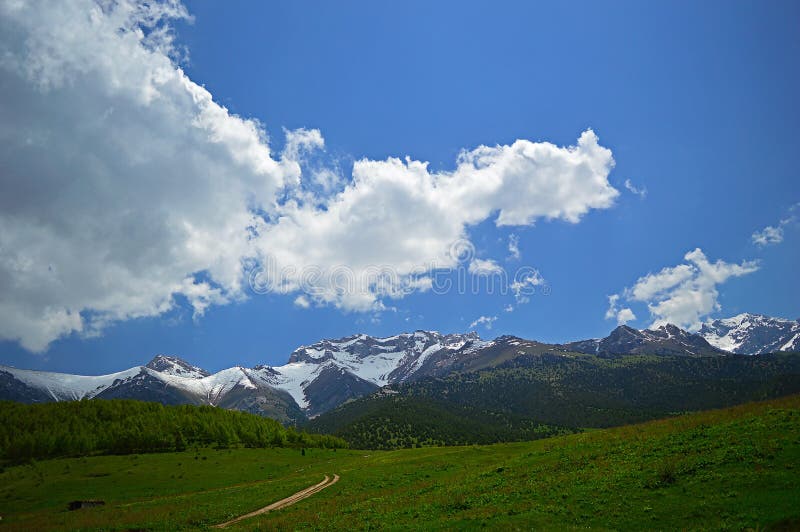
[328, 373]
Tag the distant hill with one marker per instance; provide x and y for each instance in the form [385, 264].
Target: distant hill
[532, 394]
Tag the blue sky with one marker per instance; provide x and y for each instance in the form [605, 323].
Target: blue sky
[696, 102]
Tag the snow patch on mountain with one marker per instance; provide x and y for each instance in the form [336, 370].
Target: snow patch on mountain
[65, 387]
[292, 378]
[211, 388]
[177, 367]
[793, 344]
[371, 359]
[752, 334]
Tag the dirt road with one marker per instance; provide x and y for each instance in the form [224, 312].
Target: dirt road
[288, 501]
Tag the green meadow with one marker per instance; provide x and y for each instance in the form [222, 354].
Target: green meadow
[730, 469]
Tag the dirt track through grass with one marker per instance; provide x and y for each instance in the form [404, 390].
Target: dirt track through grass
[283, 503]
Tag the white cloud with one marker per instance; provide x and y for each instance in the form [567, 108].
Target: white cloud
[513, 246]
[327, 179]
[486, 321]
[509, 308]
[396, 214]
[301, 141]
[773, 234]
[623, 315]
[299, 144]
[122, 179]
[484, 267]
[682, 295]
[768, 235]
[524, 285]
[125, 185]
[302, 301]
[654, 284]
[639, 191]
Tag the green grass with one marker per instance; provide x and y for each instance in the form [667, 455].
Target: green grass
[731, 469]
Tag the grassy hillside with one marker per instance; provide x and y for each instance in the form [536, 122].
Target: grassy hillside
[123, 427]
[535, 394]
[723, 469]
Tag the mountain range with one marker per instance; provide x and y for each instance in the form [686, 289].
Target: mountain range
[752, 334]
[322, 376]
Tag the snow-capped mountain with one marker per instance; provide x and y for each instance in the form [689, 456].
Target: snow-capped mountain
[665, 340]
[61, 386]
[167, 380]
[316, 378]
[752, 334]
[176, 366]
[321, 376]
[325, 374]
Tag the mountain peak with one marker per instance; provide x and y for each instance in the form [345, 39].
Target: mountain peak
[625, 329]
[175, 366]
[666, 339]
[752, 334]
[667, 330]
[362, 346]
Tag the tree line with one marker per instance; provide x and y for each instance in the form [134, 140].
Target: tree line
[118, 426]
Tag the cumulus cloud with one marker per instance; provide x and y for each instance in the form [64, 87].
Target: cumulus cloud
[122, 179]
[398, 213]
[639, 191]
[622, 315]
[299, 144]
[301, 141]
[681, 295]
[126, 186]
[486, 321]
[395, 220]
